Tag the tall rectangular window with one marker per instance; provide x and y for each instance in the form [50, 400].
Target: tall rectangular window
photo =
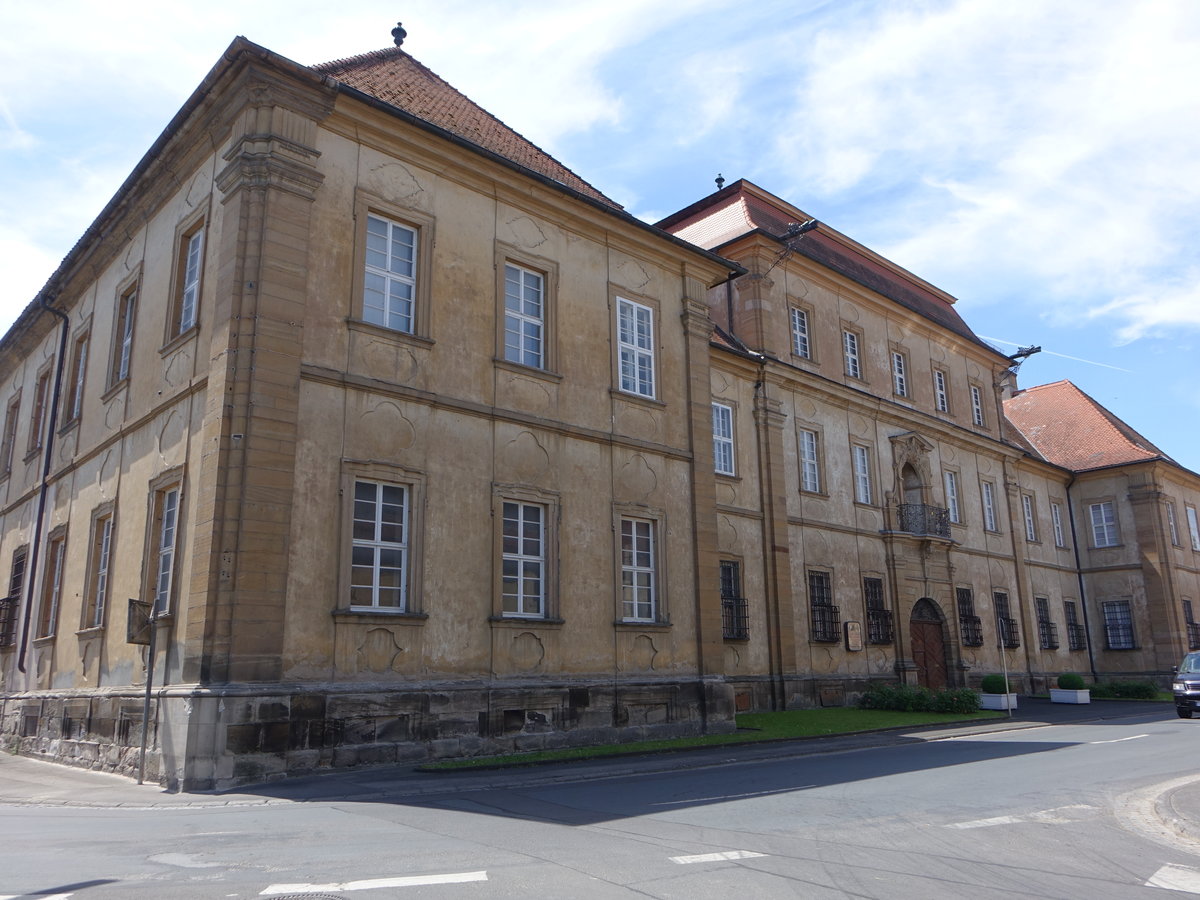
[1104, 524]
[970, 628]
[810, 463]
[723, 439]
[800, 338]
[989, 505]
[862, 473]
[73, 405]
[101, 553]
[379, 554]
[56, 556]
[1189, 622]
[1047, 630]
[825, 618]
[523, 577]
[1056, 519]
[735, 624]
[1118, 625]
[41, 412]
[879, 618]
[1193, 527]
[191, 260]
[977, 405]
[899, 374]
[1010, 634]
[11, 414]
[524, 316]
[941, 393]
[952, 496]
[638, 571]
[390, 279]
[12, 602]
[850, 351]
[122, 355]
[1030, 519]
[166, 527]
[1172, 526]
[635, 345]
[1076, 636]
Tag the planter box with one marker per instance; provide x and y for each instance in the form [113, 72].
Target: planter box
[1061, 695]
[997, 701]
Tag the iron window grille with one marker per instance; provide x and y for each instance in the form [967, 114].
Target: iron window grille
[1118, 625]
[826, 621]
[1193, 632]
[735, 618]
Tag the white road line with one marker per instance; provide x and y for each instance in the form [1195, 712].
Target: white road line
[1047, 816]
[1118, 740]
[719, 797]
[39, 896]
[716, 857]
[1176, 878]
[403, 881]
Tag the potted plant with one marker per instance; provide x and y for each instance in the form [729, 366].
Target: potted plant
[1071, 689]
[996, 693]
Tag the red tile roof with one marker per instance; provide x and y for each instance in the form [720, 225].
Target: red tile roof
[396, 78]
[1072, 430]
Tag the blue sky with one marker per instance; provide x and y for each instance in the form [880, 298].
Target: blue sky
[1038, 161]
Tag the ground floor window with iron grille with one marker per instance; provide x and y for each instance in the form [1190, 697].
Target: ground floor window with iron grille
[879, 618]
[825, 619]
[1193, 628]
[970, 627]
[1010, 634]
[735, 624]
[1047, 630]
[1076, 636]
[1118, 625]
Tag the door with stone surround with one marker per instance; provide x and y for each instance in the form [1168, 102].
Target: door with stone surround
[928, 645]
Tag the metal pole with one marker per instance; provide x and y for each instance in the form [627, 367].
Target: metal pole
[1000, 644]
[146, 703]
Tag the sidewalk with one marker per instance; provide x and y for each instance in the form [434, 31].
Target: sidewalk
[25, 781]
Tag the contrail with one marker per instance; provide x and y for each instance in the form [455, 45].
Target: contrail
[1090, 362]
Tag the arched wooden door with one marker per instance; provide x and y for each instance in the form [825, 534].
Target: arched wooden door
[928, 644]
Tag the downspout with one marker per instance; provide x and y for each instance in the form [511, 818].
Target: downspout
[1087, 630]
[44, 489]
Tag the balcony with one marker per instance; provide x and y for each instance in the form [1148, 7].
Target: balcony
[879, 626]
[1009, 633]
[735, 619]
[972, 631]
[917, 518]
[826, 624]
[1076, 638]
[1048, 635]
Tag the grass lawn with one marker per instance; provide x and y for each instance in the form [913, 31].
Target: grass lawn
[771, 726]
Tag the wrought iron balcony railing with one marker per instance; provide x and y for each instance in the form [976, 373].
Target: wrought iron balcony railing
[1009, 633]
[879, 626]
[972, 631]
[1048, 635]
[826, 624]
[917, 518]
[735, 619]
[1076, 637]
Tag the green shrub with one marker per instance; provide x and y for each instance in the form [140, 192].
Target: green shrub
[1069, 681]
[1124, 690]
[956, 700]
[994, 684]
[910, 698]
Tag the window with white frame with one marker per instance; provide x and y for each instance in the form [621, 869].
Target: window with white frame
[638, 570]
[1118, 625]
[941, 392]
[123, 337]
[40, 412]
[524, 316]
[96, 601]
[810, 462]
[379, 551]
[187, 289]
[16, 586]
[1030, 520]
[56, 555]
[862, 473]
[73, 405]
[977, 405]
[800, 337]
[1193, 527]
[523, 573]
[11, 415]
[850, 351]
[723, 439]
[1104, 524]
[988, 491]
[165, 523]
[1172, 526]
[951, 479]
[635, 346]
[390, 278]
[899, 374]
[1056, 519]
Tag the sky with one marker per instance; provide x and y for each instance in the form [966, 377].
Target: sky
[1037, 161]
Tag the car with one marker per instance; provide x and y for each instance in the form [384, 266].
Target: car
[1186, 686]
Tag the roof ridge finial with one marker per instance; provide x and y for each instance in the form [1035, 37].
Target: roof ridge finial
[720, 181]
[399, 34]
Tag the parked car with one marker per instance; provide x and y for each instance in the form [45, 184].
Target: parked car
[1186, 686]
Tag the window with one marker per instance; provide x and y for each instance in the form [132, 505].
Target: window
[56, 555]
[1193, 628]
[390, 278]
[11, 603]
[101, 552]
[941, 395]
[187, 286]
[11, 414]
[41, 408]
[879, 618]
[635, 346]
[523, 575]
[524, 316]
[1104, 524]
[1118, 625]
[123, 337]
[1193, 527]
[989, 505]
[977, 405]
[735, 623]
[638, 570]
[862, 473]
[826, 622]
[850, 350]
[800, 339]
[379, 555]
[969, 625]
[810, 465]
[1056, 519]
[952, 496]
[1047, 630]
[1076, 637]
[899, 374]
[1172, 526]
[164, 531]
[1010, 635]
[73, 405]
[1030, 521]
[723, 439]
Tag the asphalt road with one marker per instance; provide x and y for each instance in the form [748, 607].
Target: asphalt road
[1060, 811]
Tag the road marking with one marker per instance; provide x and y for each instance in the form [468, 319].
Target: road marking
[1048, 816]
[1118, 740]
[719, 797]
[716, 857]
[368, 884]
[39, 896]
[1176, 878]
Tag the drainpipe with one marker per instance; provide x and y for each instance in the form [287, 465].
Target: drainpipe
[1087, 630]
[44, 489]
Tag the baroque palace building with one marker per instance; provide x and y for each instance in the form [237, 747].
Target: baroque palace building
[417, 445]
